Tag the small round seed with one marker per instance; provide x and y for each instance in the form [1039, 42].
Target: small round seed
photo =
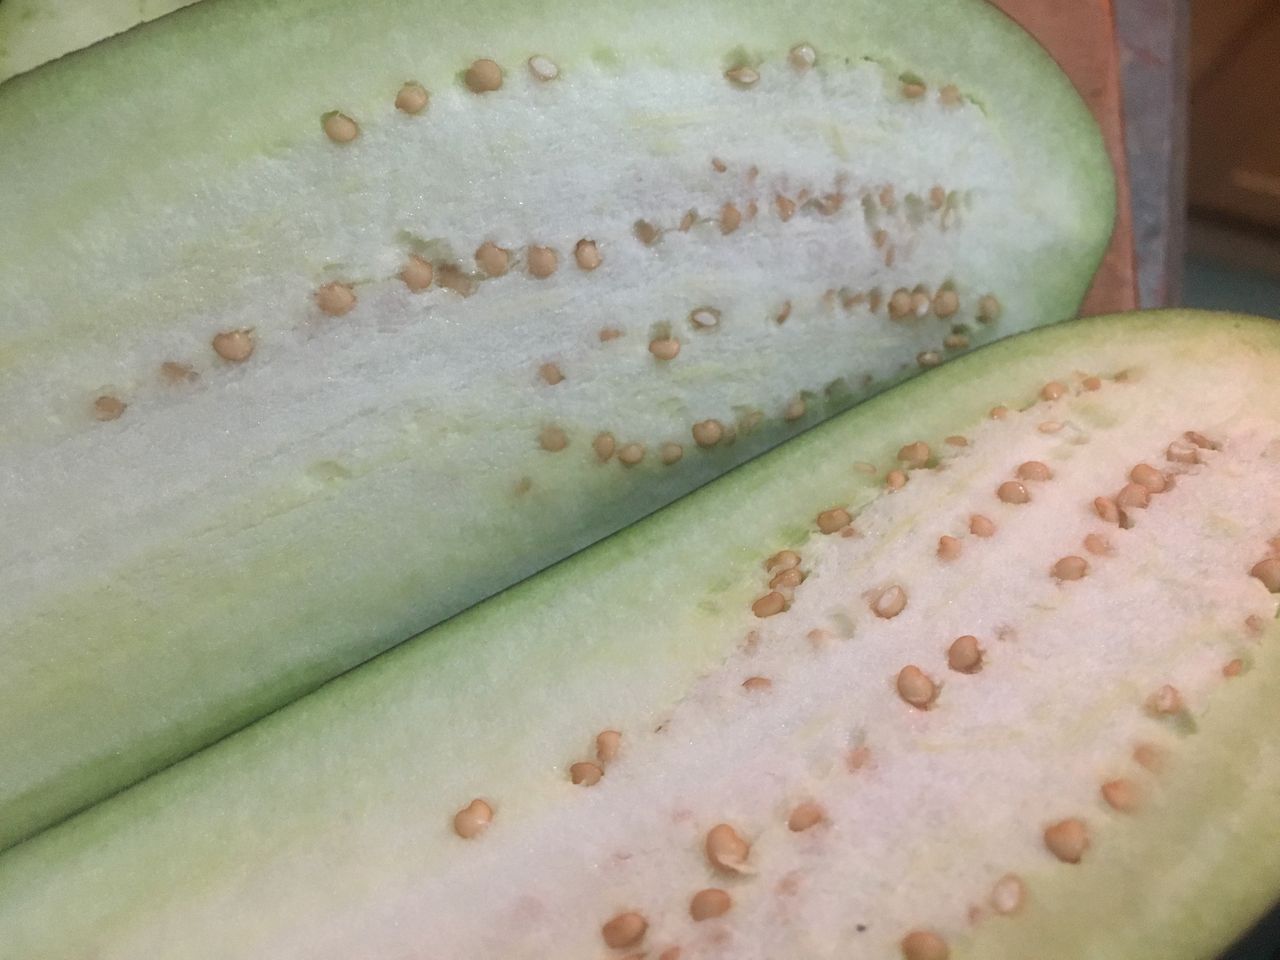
[949, 96]
[830, 521]
[543, 69]
[483, 76]
[1070, 568]
[956, 341]
[1182, 451]
[795, 409]
[670, 453]
[472, 819]
[914, 455]
[989, 309]
[964, 655]
[805, 816]
[1067, 839]
[542, 261]
[608, 742]
[912, 90]
[915, 687]
[742, 76]
[929, 358]
[757, 684]
[624, 930]
[981, 526]
[603, 445]
[1133, 495]
[587, 254]
[1008, 894]
[704, 318]
[174, 372]
[956, 440]
[335, 299]
[553, 439]
[726, 850]
[1122, 795]
[1233, 668]
[802, 56]
[412, 98]
[1106, 508]
[1053, 390]
[1268, 571]
[924, 945]
[998, 413]
[948, 548]
[1091, 383]
[585, 773]
[1149, 756]
[945, 303]
[786, 207]
[730, 218]
[1148, 476]
[646, 232]
[890, 602]
[664, 348]
[609, 333]
[107, 408]
[895, 479]
[451, 277]
[1167, 701]
[707, 433]
[630, 454]
[417, 273]
[1011, 491]
[782, 560]
[1034, 470]
[787, 579]
[769, 605]
[709, 904]
[234, 346]
[550, 373]
[919, 302]
[1098, 545]
[340, 128]
[900, 303]
[1200, 440]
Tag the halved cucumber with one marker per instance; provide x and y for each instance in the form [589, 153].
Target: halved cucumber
[320, 321]
[1094, 774]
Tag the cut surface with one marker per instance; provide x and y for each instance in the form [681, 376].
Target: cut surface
[351, 317]
[629, 752]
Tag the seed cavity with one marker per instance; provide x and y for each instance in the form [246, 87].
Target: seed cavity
[726, 850]
[340, 128]
[542, 261]
[924, 945]
[1008, 894]
[417, 274]
[1067, 839]
[1070, 568]
[585, 773]
[336, 299]
[553, 439]
[624, 930]
[1035, 471]
[709, 904]
[805, 816]
[107, 408]
[889, 602]
[834, 520]
[543, 69]
[234, 346]
[1122, 795]
[472, 819]
[412, 98]
[483, 76]
[964, 655]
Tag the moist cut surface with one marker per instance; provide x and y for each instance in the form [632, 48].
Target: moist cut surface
[979, 669]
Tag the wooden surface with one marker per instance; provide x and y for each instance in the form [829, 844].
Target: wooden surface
[1081, 37]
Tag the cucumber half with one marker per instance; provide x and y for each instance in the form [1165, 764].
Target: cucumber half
[320, 321]
[567, 769]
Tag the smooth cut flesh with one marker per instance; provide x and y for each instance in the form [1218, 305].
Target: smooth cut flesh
[321, 321]
[1095, 775]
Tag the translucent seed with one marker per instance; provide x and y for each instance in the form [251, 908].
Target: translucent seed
[1070, 568]
[980, 526]
[785, 206]
[726, 850]
[1133, 495]
[543, 69]
[989, 309]
[769, 605]
[1148, 476]
[1149, 756]
[483, 76]
[913, 91]
[670, 453]
[553, 439]
[340, 128]
[1098, 545]
[949, 96]
[915, 687]
[1035, 470]
[1167, 701]
[1008, 894]
[1067, 839]
[1091, 384]
[335, 299]
[730, 218]
[417, 273]
[998, 413]
[609, 333]
[472, 819]
[1050, 426]
[709, 904]
[587, 254]
[707, 433]
[646, 232]
[937, 196]
[1233, 668]
[603, 445]
[718, 165]
[945, 303]
[757, 684]
[802, 56]
[1106, 508]
[624, 930]
[704, 318]
[1122, 795]
[1182, 451]
[1011, 491]
[782, 560]
[895, 479]
[542, 261]
[630, 454]
[1268, 571]
[787, 579]
[412, 98]
[664, 348]
[830, 521]
[956, 440]
[948, 548]
[234, 346]
[452, 278]
[742, 76]
[956, 341]
[795, 409]
[174, 372]
[550, 373]
[805, 816]
[107, 407]
[964, 655]
[914, 455]
[924, 945]
[900, 303]
[585, 773]
[928, 358]
[608, 742]
[890, 602]
[1053, 390]
[1200, 440]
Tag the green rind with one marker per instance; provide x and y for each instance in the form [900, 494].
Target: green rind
[352, 772]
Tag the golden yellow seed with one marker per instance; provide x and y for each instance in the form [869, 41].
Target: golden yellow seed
[989, 309]
[1070, 568]
[730, 218]
[553, 439]
[1053, 390]
[107, 407]
[890, 602]
[587, 254]
[742, 76]
[830, 521]
[603, 445]
[757, 684]
[787, 579]
[453, 279]
[417, 273]
[1067, 839]
[915, 687]
[913, 91]
[1268, 571]
[707, 433]
[914, 455]
[924, 945]
[234, 346]
[1233, 668]
[1200, 440]
[174, 372]
[949, 96]
[550, 373]
[585, 773]
[785, 206]
[1011, 491]
[948, 548]
[955, 440]
[1106, 508]
[1034, 470]
[964, 655]
[726, 850]
[483, 76]
[543, 68]
[335, 299]
[542, 261]
[340, 128]
[709, 904]
[1148, 476]
[624, 930]
[795, 409]
[782, 560]
[900, 303]
[1133, 495]
[1167, 701]
[1091, 383]
[804, 816]
[981, 526]
[998, 413]
[895, 479]
[630, 454]
[670, 453]
[1008, 894]
[802, 56]
[608, 742]
[472, 819]
[1098, 545]
[646, 232]
[1122, 795]
[769, 605]
[412, 98]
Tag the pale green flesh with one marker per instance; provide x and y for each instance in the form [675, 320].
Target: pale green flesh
[230, 543]
[324, 829]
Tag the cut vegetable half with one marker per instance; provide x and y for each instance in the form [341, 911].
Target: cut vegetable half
[323, 320]
[972, 752]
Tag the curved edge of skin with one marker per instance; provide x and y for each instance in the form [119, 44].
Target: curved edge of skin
[120, 852]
